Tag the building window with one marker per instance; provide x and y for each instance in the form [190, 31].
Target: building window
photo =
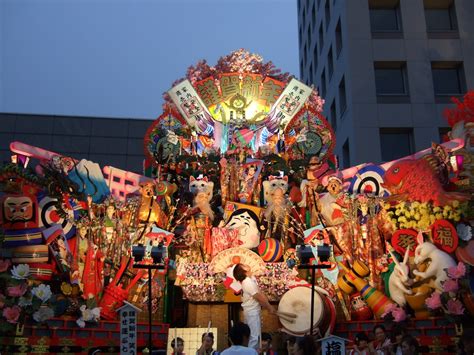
[327, 13]
[321, 38]
[385, 16]
[396, 143]
[448, 79]
[391, 80]
[440, 16]
[342, 97]
[323, 83]
[346, 155]
[333, 116]
[338, 38]
[330, 63]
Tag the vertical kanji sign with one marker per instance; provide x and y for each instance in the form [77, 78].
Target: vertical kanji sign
[290, 102]
[190, 105]
[128, 329]
[333, 345]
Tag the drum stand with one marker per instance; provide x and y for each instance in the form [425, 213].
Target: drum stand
[313, 280]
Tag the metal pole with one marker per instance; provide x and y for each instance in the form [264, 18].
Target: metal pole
[150, 342]
[313, 275]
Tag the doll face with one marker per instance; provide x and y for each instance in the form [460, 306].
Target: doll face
[147, 189]
[110, 211]
[334, 187]
[82, 232]
[18, 208]
[249, 234]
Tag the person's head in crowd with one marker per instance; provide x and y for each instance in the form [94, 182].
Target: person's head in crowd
[380, 333]
[361, 340]
[466, 342]
[291, 345]
[266, 341]
[207, 340]
[177, 344]
[398, 333]
[305, 346]
[409, 345]
[239, 334]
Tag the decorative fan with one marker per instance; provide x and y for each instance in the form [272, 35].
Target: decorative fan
[156, 142]
[237, 255]
[311, 134]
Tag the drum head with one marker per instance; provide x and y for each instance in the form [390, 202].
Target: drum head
[298, 301]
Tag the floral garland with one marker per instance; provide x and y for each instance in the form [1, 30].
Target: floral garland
[449, 302]
[22, 297]
[200, 285]
[420, 216]
[240, 61]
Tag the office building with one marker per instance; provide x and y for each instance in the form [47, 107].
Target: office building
[387, 69]
[106, 141]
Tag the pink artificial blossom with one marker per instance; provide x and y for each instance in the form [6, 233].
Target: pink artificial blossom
[455, 307]
[389, 310]
[450, 285]
[399, 314]
[434, 301]
[4, 265]
[456, 272]
[12, 314]
[17, 291]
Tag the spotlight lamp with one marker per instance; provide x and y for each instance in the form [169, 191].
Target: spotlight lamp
[306, 252]
[159, 254]
[138, 252]
[324, 252]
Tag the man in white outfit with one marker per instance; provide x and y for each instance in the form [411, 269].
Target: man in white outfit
[252, 302]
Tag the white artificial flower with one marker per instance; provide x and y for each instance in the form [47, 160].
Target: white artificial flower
[21, 272]
[96, 313]
[43, 314]
[43, 292]
[464, 231]
[25, 301]
[88, 315]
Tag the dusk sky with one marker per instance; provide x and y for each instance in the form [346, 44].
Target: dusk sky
[115, 58]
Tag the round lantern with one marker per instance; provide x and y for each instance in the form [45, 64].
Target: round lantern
[270, 250]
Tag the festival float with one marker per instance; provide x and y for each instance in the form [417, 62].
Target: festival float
[239, 168]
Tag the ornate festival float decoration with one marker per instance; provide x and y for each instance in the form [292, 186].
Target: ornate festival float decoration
[239, 168]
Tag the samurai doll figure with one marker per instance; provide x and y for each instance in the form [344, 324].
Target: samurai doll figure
[198, 231]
